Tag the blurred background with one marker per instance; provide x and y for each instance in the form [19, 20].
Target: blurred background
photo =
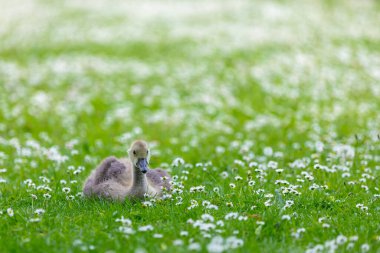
[188, 72]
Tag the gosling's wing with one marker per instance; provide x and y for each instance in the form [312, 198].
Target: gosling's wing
[115, 169]
[158, 178]
[111, 179]
[98, 175]
[101, 172]
[89, 184]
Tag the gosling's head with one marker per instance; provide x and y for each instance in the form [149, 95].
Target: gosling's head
[139, 155]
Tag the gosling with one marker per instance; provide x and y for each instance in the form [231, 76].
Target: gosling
[118, 179]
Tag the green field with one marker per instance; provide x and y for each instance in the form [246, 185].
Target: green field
[266, 113]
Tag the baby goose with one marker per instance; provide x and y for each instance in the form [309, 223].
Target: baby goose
[120, 178]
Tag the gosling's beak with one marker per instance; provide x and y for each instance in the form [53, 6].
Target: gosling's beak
[142, 164]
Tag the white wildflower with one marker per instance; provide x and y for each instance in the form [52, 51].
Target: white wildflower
[207, 217]
[145, 228]
[66, 190]
[194, 246]
[10, 212]
[183, 233]
[39, 211]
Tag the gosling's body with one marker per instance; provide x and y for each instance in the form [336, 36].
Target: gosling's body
[123, 178]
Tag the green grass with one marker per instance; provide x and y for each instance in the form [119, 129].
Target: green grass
[226, 86]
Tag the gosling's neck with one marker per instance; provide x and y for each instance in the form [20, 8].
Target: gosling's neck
[140, 183]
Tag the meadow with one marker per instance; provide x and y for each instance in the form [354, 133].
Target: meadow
[265, 113]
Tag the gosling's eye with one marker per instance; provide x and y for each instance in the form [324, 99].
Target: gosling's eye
[134, 152]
